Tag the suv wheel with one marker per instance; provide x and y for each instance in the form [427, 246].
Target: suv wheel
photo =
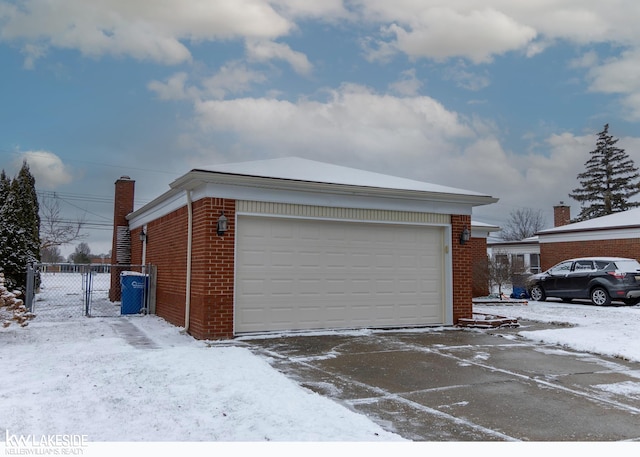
[537, 293]
[600, 297]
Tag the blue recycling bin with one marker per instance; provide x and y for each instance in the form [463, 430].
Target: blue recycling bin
[133, 288]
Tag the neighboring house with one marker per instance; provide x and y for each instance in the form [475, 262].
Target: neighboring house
[307, 245]
[524, 255]
[617, 234]
[480, 233]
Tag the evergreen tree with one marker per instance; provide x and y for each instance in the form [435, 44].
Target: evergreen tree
[5, 224]
[19, 227]
[12, 247]
[24, 186]
[608, 182]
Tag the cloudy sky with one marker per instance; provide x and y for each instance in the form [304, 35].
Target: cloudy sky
[496, 96]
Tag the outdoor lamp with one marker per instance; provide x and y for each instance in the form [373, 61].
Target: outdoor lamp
[465, 235]
[143, 236]
[222, 224]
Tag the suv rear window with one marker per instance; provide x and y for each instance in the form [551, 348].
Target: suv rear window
[627, 265]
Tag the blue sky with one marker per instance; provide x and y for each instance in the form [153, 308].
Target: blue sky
[494, 96]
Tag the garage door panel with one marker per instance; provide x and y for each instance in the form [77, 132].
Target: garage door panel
[301, 274]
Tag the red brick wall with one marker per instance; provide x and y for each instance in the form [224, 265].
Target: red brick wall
[212, 267]
[552, 253]
[561, 215]
[462, 256]
[212, 282]
[167, 249]
[123, 205]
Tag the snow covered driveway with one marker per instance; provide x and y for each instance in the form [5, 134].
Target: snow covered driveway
[467, 385]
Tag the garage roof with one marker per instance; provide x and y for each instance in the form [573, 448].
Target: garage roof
[303, 181]
[298, 169]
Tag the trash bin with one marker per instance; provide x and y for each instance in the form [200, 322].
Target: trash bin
[133, 287]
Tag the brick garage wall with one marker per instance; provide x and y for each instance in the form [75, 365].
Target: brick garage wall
[553, 253]
[167, 249]
[212, 267]
[212, 281]
[462, 257]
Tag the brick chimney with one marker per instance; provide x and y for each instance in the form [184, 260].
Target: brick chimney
[561, 215]
[121, 245]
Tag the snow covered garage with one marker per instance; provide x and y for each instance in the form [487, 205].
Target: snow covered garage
[307, 245]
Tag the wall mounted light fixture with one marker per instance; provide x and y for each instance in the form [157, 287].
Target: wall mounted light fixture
[465, 235]
[143, 236]
[222, 224]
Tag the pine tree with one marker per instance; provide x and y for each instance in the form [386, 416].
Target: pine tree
[6, 226]
[19, 227]
[24, 186]
[610, 179]
[12, 246]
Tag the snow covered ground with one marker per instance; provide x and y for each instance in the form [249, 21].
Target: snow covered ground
[78, 376]
[612, 330]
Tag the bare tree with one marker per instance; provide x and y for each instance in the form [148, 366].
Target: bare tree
[523, 223]
[54, 230]
[82, 254]
[500, 271]
[51, 255]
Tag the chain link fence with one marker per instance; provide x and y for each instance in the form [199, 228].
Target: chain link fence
[63, 291]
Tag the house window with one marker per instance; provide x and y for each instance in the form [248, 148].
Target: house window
[517, 262]
[534, 259]
[502, 259]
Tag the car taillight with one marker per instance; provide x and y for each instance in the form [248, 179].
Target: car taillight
[617, 274]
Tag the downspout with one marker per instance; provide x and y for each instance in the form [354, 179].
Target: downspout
[144, 247]
[189, 243]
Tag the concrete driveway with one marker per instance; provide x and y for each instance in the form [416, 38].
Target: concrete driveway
[465, 385]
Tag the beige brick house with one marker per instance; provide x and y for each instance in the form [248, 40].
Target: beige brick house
[293, 244]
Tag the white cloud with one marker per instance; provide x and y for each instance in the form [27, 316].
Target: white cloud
[326, 9]
[353, 121]
[143, 29]
[262, 51]
[173, 89]
[47, 168]
[408, 84]
[473, 80]
[621, 75]
[233, 78]
[587, 60]
[478, 35]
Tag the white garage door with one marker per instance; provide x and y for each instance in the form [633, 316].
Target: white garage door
[295, 274]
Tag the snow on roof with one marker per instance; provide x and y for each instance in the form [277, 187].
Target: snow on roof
[627, 218]
[529, 240]
[298, 169]
[484, 225]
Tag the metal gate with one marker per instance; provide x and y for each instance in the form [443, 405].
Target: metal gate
[62, 291]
